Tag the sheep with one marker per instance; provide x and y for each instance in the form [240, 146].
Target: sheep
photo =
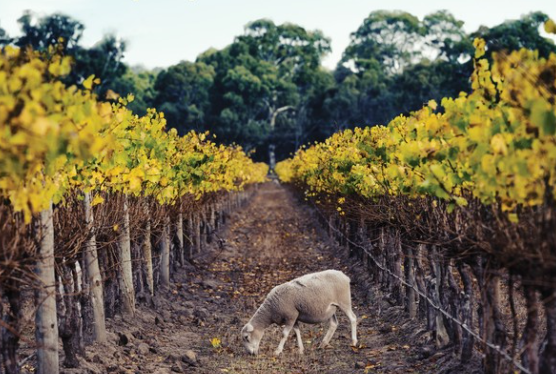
[312, 299]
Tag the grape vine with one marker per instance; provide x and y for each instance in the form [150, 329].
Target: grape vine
[55, 138]
[496, 144]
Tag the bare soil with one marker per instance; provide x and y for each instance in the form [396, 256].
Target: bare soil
[273, 239]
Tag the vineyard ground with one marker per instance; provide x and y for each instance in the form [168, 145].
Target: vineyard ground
[271, 240]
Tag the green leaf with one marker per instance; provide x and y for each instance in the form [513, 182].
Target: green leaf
[543, 117]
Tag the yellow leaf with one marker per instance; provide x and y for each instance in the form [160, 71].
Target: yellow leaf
[88, 83]
[97, 200]
[215, 342]
[461, 201]
[513, 217]
[550, 27]
[135, 183]
[115, 227]
[111, 95]
[498, 144]
[479, 45]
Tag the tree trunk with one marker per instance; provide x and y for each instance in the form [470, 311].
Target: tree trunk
[127, 291]
[477, 268]
[410, 278]
[86, 302]
[165, 253]
[46, 321]
[205, 226]
[272, 147]
[212, 222]
[498, 332]
[138, 271]
[10, 336]
[442, 337]
[467, 302]
[431, 313]
[272, 156]
[395, 254]
[94, 276]
[181, 247]
[191, 231]
[223, 212]
[530, 337]
[452, 302]
[420, 281]
[362, 240]
[382, 248]
[493, 328]
[346, 238]
[197, 228]
[68, 321]
[217, 215]
[548, 362]
[147, 253]
[76, 273]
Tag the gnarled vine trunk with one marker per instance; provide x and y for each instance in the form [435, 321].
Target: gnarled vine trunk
[94, 277]
[127, 291]
[46, 321]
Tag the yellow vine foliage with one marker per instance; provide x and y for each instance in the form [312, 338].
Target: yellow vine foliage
[496, 144]
[55, 138]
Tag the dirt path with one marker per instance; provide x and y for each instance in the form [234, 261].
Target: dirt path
[270, 241]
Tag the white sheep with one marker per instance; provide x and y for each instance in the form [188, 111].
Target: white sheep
[312, 298]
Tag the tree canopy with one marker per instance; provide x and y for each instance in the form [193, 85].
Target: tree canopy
[268, 90]
[263, 85]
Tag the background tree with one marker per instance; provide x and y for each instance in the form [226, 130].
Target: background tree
[104, 59]
[312, 121]
[141, 83]
[396, 62]
[515, 34]
[263, 82]
[392, 38]
[42, 32]
[182, 93]
[445, 38]
[4, 38]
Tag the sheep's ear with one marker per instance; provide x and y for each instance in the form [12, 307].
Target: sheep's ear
[249, 327]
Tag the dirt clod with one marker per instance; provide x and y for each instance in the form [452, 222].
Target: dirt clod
[190, 358]
[124, 338]
[143, 349]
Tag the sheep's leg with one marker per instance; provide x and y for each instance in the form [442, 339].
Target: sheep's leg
[331, 330]
[285, 334]
[353, 320]
[298, 335]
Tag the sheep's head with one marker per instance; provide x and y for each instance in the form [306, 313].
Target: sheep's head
[251, 337]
